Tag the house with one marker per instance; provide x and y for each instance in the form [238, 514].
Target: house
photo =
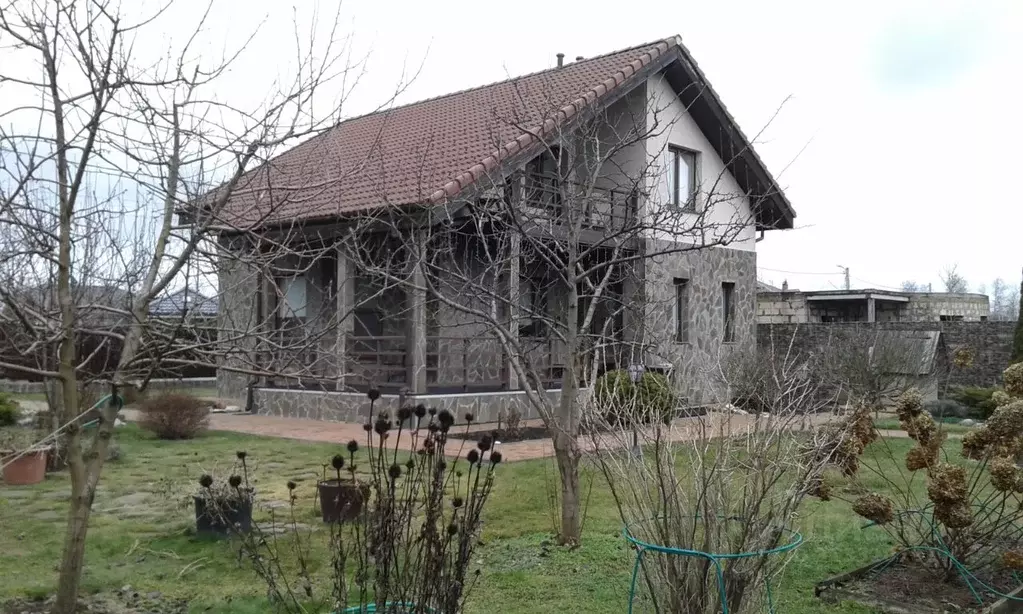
[184, 302]
[325, 321]
[869, 305]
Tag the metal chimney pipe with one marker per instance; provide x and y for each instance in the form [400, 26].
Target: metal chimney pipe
[579, 58]
[561, 60]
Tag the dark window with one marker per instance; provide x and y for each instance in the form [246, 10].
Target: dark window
[681, 178]
[728, 310]
[951, 318]
[543, 180]
[532, 306]
[682, 310]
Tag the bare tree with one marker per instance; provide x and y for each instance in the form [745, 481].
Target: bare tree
[912, 286]
[100, 152]
[953, 280]
[548, 261]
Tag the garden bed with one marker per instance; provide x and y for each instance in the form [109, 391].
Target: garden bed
[912, 588]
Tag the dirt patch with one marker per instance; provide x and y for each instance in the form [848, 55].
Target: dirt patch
[527, 433]
[914, 587]
[125, 601]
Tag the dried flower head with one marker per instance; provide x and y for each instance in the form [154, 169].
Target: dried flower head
[337, 462]
[861, 425]
[446, 419]
[394, 471]
[953, 516]
[875, 507]
[948, 484]
[1006, 423]
[457, 502]
[291, 485]
[241, 454]
[921, 457]
[486, 442]
[1013, 378]
[410, 464]
[469, 417]
[473, 457]
[373, 394]
[909, 404]
[235, 481]
[964, 357]
[432, 411]
[420, 410]
[975, 444]
[1004, 474]
[367, 427]
[496, 457]
[353, 446]
[1000, 398]
[206, 480]
[452, 529]
[382, 425]
[403, 414]
[1013, 559]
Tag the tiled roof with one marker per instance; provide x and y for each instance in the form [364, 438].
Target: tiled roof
[429, 150]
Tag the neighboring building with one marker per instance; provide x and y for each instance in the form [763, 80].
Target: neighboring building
[869, 305]
[437, 152]
[182, 303]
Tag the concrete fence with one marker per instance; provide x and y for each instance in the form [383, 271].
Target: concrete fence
[188, 383]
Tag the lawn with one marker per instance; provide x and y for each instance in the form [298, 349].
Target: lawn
[141, 535]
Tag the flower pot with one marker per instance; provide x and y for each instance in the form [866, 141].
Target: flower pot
[28, 469]
[342, 500]
[219, 518]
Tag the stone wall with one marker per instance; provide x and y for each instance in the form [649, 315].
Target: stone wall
[187, 383]
[991, 342]
[237, 314]
[353, 407]
[695, 363]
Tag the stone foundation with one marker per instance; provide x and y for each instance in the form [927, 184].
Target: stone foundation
[354, 407]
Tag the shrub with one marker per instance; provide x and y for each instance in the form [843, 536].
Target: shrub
[9, 411]
[948, 408]
[977, 399]
[619, 399]
[174, 416]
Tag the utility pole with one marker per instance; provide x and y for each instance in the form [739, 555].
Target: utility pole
[846, 269]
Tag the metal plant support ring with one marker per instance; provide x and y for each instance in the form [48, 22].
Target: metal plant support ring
[642, 547]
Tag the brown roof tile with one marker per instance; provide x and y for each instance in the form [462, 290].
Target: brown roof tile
[430, 150]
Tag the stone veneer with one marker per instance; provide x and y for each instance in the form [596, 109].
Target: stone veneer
[990, 341]
[696, 363]
[354, 407]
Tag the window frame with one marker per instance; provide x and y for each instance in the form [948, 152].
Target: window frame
[681, 286]
[728, 311]
[676, 153]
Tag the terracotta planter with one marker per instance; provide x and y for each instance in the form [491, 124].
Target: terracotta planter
[221, 519]
[342, 500]
[28, 469]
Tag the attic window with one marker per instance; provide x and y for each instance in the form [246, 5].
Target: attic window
[681, 177]
[543, 180]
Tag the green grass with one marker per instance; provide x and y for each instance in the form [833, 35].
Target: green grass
[150, 545]
[892, 424]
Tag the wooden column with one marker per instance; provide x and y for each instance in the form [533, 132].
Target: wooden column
[514, 317]
[871, 309]
[344, 296]
[416, 346]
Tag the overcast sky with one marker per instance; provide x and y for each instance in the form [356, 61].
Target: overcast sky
[898, 144]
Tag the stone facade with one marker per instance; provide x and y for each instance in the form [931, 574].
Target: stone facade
[990, 341]
[354, 407]
[696, 360]
[795, 307]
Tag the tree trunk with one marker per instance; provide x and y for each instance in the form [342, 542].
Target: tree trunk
[74, 548]
[566, 450]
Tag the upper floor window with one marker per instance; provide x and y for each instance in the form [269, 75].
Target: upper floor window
[681, 177]
[543, 179]
[293, 290]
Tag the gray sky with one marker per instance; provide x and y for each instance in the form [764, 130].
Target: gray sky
[902, 122]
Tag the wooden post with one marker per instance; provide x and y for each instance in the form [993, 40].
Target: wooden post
[514, 317]
[871, 309]
[344, 299]
[416, 350]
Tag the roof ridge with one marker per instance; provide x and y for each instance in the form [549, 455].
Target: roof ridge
[407, 105]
